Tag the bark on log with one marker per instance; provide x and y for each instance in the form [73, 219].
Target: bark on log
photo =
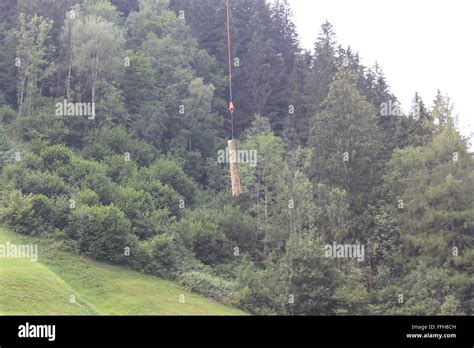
[234, 169]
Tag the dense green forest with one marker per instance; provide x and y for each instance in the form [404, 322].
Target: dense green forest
[114, 118]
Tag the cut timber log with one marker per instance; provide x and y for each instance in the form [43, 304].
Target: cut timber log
[234, 169]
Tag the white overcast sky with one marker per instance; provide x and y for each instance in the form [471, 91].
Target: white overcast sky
[421, 45]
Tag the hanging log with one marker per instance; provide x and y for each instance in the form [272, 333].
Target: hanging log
[234, 169]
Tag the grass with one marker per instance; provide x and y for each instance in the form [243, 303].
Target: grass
[45, 287]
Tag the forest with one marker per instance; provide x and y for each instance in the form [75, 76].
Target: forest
[114, 127]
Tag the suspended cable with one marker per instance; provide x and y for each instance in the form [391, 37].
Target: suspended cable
[231, 98]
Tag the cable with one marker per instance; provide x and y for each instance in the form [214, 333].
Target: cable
[231, 102]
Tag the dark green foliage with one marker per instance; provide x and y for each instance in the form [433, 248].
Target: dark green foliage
[125, 6]
[166, 256]
[212, 287]
[345, 141]
[3, 147]
[200, 233]
[169, 173]
[101, 184]
[7, 115]
[139, 208]
[116, 141]
[120, 168]
[143, 183]
[43, 183]
[33, 214]
[164, 197]
[310, 277]
[102, 232]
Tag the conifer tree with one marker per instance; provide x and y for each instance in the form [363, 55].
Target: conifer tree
[345, 141]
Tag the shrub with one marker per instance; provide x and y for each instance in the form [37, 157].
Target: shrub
[164, 197]
[61, 211]
[171, 174]
[118, 169]
[202, 235]
[214, 288]
[137, 206]
[100, 183]
[239, 228]
[102, 232]
[48, 184]
[80, 168]
[109, 141]
[86, 197]
[7, 115]
[165, 256]
[28, 215]
[56, 157]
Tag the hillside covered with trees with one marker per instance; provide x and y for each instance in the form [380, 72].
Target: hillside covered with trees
[113, 119]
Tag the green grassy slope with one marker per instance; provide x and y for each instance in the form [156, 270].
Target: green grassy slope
[44, 287]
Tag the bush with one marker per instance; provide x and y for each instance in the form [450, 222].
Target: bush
[140, 259]
[164, 197]
[100, 183]
[202, 235]
[166, 256]
[7, 115]
[102, 232]
[212, 287]
[28, 215]
[86, 197]
[138, 207]
[118, 169]
[80, 168]
[61, 211]
[45, 183]
[163, 256]
[239, 228]
[56, 157]
[171, 174]
[16, 171]
[109, 141]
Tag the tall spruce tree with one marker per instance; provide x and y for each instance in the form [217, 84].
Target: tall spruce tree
[345, 141]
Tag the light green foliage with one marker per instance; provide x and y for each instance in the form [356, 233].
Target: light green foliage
[213, 287]
[435, 189]
[34, 66]
[97, 53]
[104, 9]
